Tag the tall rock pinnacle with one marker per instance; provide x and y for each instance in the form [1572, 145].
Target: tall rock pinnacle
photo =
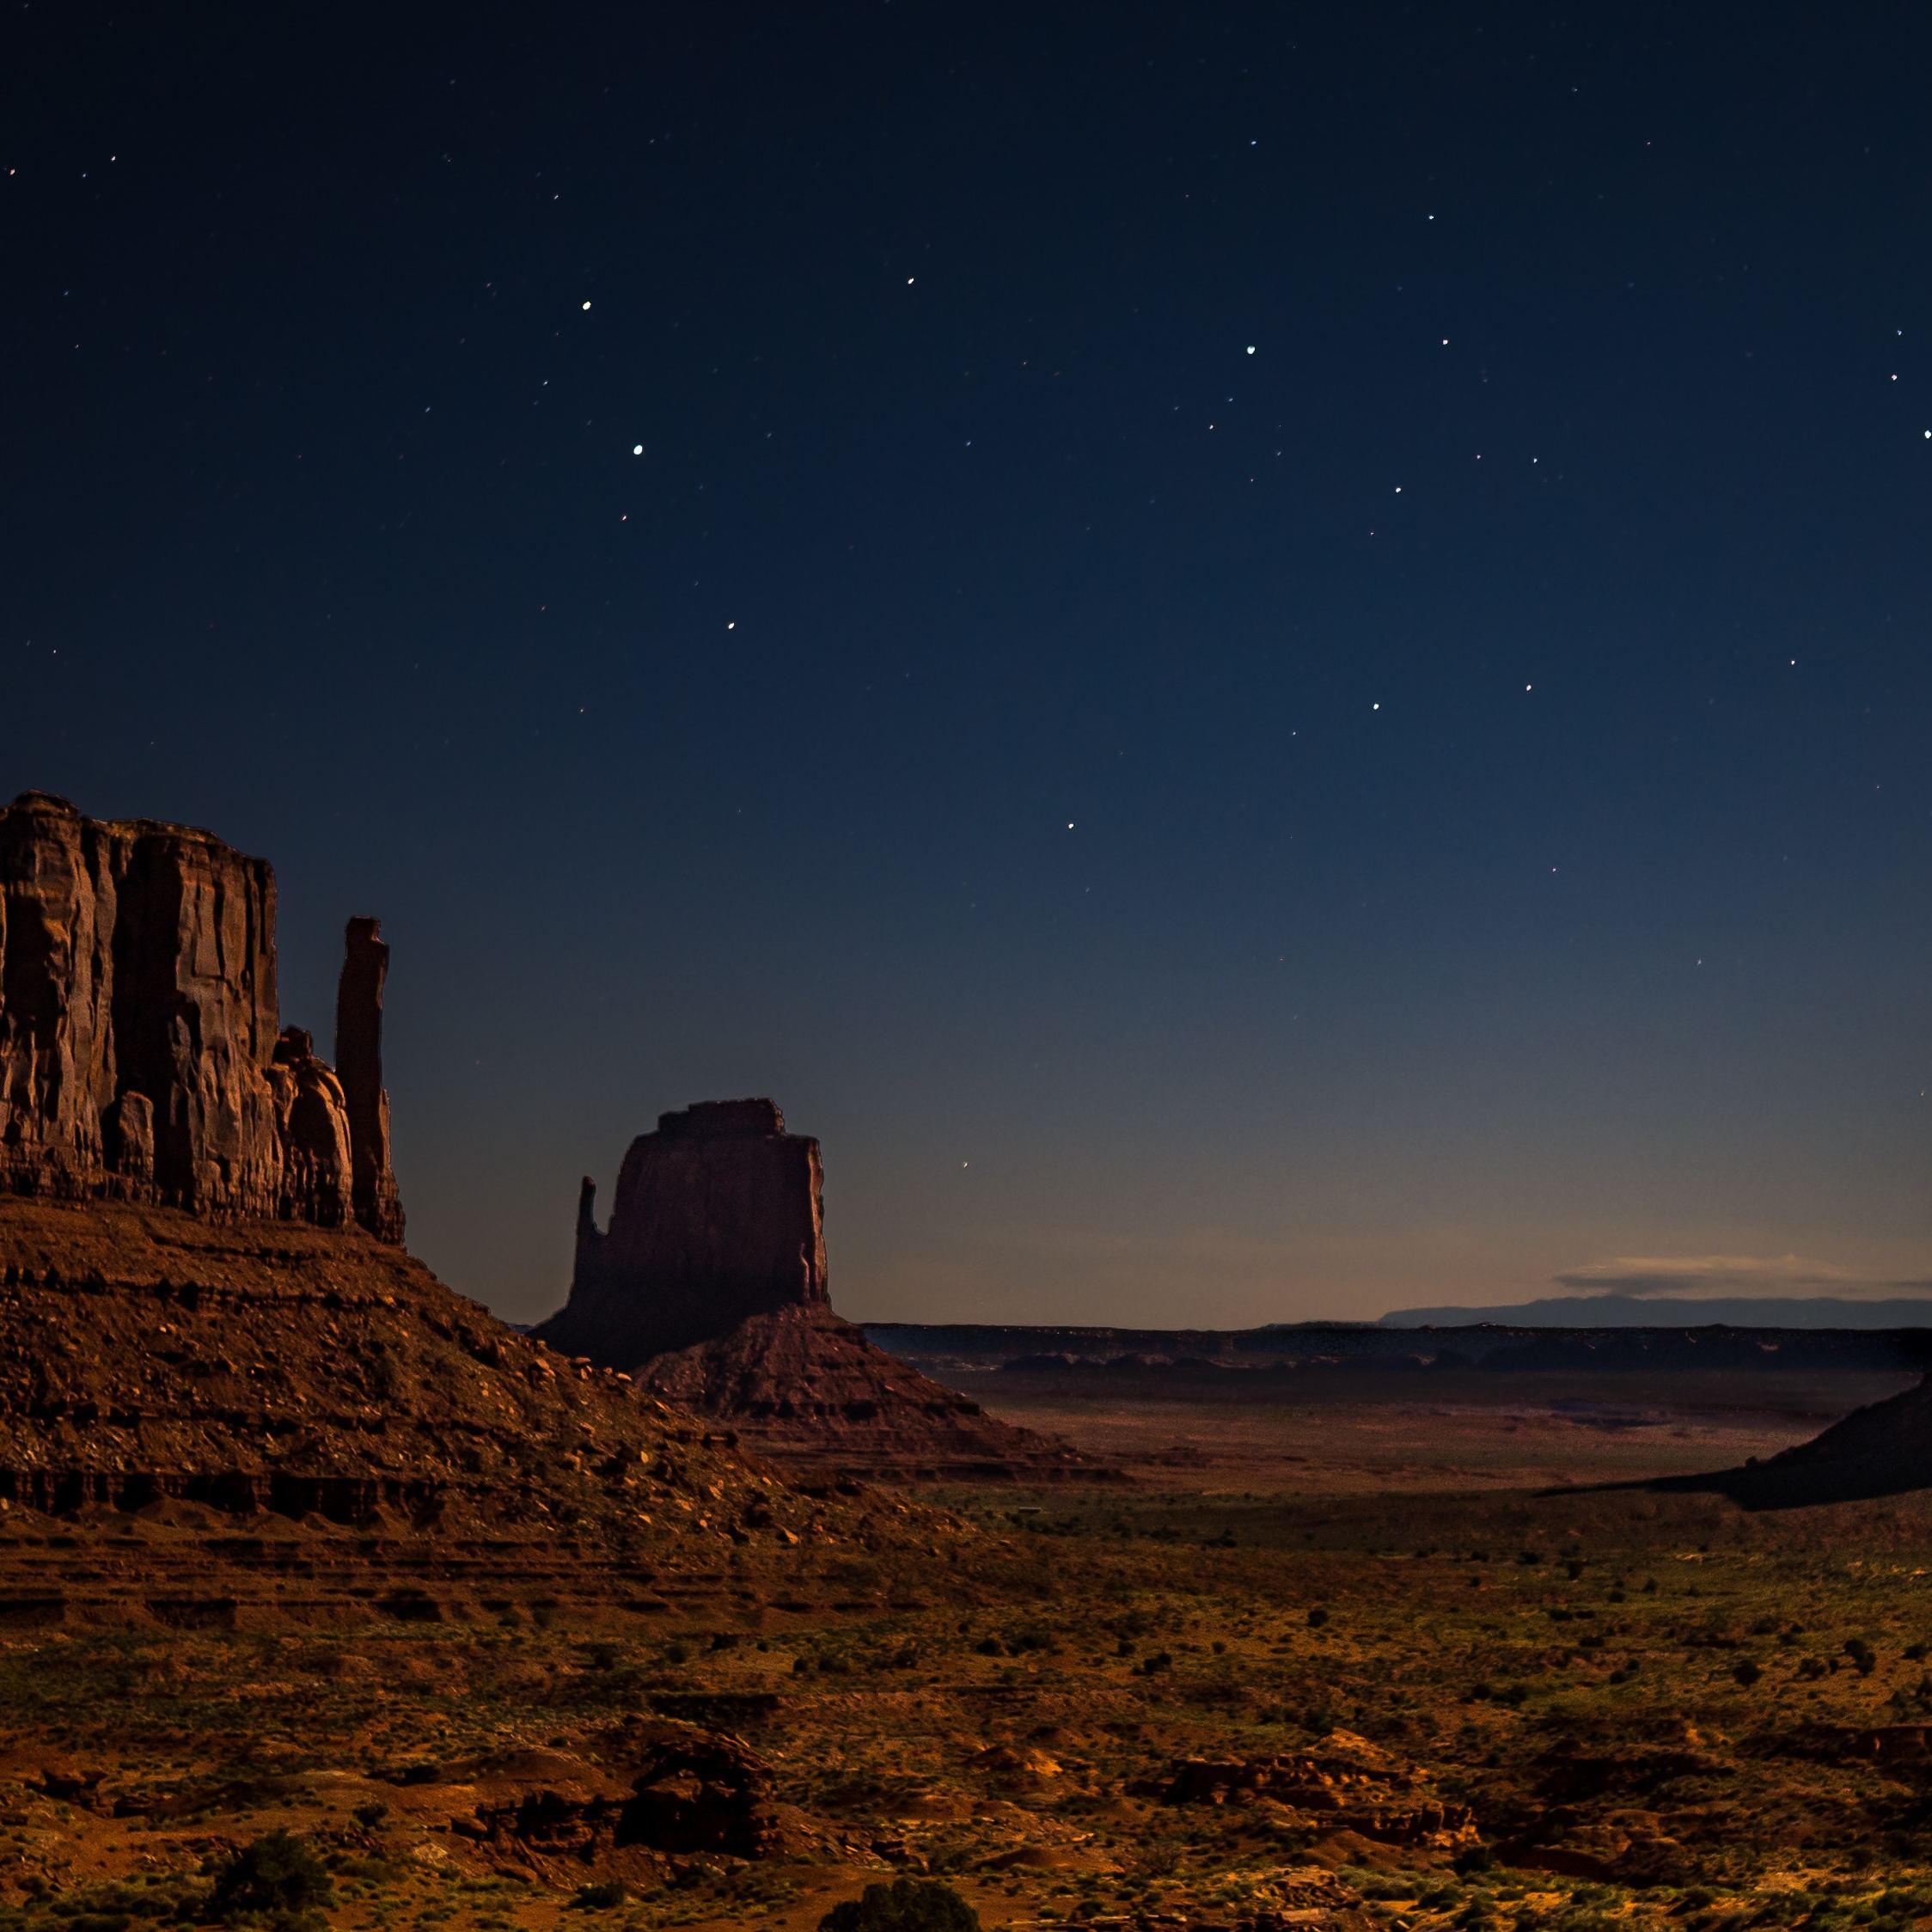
[359, 1066]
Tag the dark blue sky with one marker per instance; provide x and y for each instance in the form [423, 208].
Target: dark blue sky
[1435, 801]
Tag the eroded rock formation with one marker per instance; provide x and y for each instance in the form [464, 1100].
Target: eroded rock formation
[710, 1285]
[718, 1216]
[359, 1066]
[141, 1053]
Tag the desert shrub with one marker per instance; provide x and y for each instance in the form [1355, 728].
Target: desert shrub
[1157, 1858]
[599, 1897]
[277, 1878]
[904, 1906]
[1747, 1673]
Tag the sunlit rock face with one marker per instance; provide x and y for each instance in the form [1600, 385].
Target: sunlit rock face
[142, 1056]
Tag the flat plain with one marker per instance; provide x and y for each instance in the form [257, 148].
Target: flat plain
[1393, 1681]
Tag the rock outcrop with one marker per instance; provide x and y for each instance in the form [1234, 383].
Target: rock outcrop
[718, 1216]
[710, 1285]
[142, 1056]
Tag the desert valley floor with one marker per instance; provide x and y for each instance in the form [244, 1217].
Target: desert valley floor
[1332, 1660]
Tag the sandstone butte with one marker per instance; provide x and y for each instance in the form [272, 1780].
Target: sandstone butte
[207, 1308]
[710, 1284]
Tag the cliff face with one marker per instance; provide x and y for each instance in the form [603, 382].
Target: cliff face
[719, 1215]
[141, 1055]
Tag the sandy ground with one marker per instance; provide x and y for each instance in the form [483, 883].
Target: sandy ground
[1339, 1434]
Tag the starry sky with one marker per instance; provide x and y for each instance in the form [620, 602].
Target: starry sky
[1271, 661]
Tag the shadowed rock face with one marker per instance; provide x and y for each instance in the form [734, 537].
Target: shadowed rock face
[710, 1284]
[719, 1215]
[358, 1065]
[141, 1053]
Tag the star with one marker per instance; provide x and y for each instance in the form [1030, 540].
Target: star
[637, 449]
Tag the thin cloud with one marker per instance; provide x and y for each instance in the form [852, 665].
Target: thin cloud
[1667, 1276]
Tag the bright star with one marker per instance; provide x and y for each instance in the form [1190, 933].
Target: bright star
[637, 449]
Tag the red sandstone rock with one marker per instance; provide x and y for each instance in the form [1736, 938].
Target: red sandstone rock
[710, 1284]
[141, 1055]
[720, 1216]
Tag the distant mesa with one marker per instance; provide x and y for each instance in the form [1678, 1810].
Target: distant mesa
[710, 1285]
[1680, 1311]
[142, 1055]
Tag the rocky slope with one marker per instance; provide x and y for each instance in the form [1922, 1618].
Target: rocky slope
[1883, 1449]
[255, 1367]
[807, 1388]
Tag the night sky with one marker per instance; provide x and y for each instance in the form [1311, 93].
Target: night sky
[1270, 661]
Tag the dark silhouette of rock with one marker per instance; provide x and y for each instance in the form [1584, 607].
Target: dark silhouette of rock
[1883, 1449]
[710, 1284]
[142, 1056]
[359, 1066]
[718, 1216]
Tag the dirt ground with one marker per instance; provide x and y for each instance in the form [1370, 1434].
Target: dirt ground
[1350, 1668]
[1337, 1433]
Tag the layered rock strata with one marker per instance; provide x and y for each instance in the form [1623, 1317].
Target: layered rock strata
[159, 1359]
[142, 1056]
